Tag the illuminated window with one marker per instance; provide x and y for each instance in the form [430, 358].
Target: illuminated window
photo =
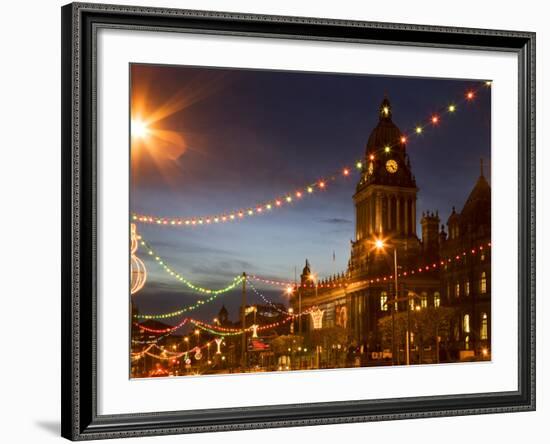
[467, 288]
[457, 289]
[483, 334]
[483, 283]
[411, 301]
[482, 257]
[383, 301]
[466, 323]
[424, 299]
[467, 342]
[437, 299]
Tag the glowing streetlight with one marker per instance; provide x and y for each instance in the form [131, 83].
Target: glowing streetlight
[139, 128]
[380, 246]
[186, 339]
[289, 290]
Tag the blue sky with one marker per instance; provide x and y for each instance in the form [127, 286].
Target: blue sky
[250, 136]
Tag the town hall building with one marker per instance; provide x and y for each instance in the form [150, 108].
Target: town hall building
[392, 268]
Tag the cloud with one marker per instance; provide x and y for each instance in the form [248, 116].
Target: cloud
[336, 221]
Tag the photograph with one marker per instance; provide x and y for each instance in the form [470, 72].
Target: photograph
[306, 221]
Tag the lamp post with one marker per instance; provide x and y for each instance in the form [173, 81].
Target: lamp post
[289, 291]
[291, 313]
[379, 244]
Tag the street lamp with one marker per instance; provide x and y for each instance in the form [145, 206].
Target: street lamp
[197, 334]
[380, 245]
[186, 339]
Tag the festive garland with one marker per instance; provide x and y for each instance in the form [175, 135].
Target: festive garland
[428, 267]
[167, 354]
[291, 196]
[294, 287]
[213, 293]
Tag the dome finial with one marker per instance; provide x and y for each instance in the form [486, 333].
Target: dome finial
[385, 108]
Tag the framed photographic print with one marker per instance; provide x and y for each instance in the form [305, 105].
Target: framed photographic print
[280, 221]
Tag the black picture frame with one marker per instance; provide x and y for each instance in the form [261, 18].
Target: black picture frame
[80, 420]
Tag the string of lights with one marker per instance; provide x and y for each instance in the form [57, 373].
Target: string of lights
[225, 331]
[167, 354]
[145, 350]
[427, 267]
[163, 330]
[266, 300]
[320, 184]
[236, 280]
[292, 286]
[213, 294]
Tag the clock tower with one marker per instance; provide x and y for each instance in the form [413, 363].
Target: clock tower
[385, 197]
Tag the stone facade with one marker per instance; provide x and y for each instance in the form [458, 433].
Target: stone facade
[386, 217]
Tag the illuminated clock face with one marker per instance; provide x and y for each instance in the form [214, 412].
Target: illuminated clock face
[391, 166]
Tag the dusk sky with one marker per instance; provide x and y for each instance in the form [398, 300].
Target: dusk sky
[225, 139]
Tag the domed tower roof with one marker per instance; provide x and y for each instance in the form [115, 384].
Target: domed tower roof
[386, 144]
[306, 273]
[386, 133]
[307, 270]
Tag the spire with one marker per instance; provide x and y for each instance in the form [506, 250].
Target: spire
[385, 109]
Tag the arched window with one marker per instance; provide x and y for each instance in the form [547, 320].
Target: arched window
[483, 283]
[467, 288]
[383, 301]
[424, 299]
[466, 323]
[437, 299]
[393, 213]
[483, 334]
[384, 213]
[457, 289]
